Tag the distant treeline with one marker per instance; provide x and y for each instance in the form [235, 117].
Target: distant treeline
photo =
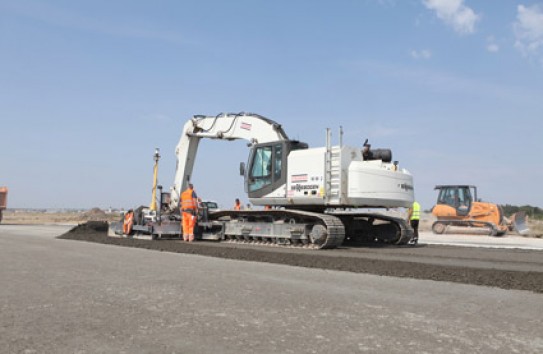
[532, 212]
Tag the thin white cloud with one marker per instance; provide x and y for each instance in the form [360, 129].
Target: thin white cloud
[529, 30]
[450, 83]
[491, 45]
[60, 17]
[454, 13]
[421, 54]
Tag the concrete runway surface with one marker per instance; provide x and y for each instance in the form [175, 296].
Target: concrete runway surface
[508, 241]
[64, 296]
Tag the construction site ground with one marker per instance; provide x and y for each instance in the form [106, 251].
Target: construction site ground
[520, 269]
[63, 295]
[510, 262]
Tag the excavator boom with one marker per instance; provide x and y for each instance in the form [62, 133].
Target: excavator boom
[248, 126]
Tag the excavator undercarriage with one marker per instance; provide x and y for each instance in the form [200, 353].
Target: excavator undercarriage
[309, 229]
[281, 227]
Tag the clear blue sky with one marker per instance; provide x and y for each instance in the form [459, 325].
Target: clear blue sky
[89, 89]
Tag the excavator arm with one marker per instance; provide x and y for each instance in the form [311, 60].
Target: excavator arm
[254, 128]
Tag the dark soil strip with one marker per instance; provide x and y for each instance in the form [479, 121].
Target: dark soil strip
[531, 281]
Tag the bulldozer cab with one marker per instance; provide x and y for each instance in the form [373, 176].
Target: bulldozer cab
[459, 197]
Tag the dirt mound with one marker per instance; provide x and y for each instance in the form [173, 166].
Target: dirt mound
[95, 214]
[379, 264]
[536, 228]
[91, 226]
[86, 230]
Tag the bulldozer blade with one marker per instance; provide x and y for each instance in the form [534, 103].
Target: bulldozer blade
[519, 223]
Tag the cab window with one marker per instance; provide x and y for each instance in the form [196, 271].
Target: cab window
[261, 169]
[455, 197]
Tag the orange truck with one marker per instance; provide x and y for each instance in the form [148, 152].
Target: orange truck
[3, 200]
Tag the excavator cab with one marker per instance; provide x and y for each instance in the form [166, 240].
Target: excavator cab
[267, 166]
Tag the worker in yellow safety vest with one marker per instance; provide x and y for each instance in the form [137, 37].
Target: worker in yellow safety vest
[128, 222]
[414, 217]
[237, 205]
[189, 212]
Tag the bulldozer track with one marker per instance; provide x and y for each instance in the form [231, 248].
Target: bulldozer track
[468, 226]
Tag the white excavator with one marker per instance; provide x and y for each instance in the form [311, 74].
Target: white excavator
[313, 197]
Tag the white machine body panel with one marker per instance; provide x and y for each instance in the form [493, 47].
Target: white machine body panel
[359, 183]
[305, 177]
[377, 184]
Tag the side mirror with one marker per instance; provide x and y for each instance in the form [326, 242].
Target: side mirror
[242, 168]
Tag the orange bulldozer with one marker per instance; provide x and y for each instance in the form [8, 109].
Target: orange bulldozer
[458, 206]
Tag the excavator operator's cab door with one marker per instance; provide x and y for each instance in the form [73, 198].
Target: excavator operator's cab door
[265, 172]
[267, 167]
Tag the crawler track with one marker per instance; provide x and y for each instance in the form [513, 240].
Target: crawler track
[308, 229]
[469, 226]
[374, 227]
[280, 227]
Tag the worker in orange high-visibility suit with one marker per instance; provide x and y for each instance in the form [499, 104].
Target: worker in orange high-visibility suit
[189, 212]
[128, 222]
[237, 205]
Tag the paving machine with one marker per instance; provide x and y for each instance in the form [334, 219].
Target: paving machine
[312, 195]
[458, 205]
